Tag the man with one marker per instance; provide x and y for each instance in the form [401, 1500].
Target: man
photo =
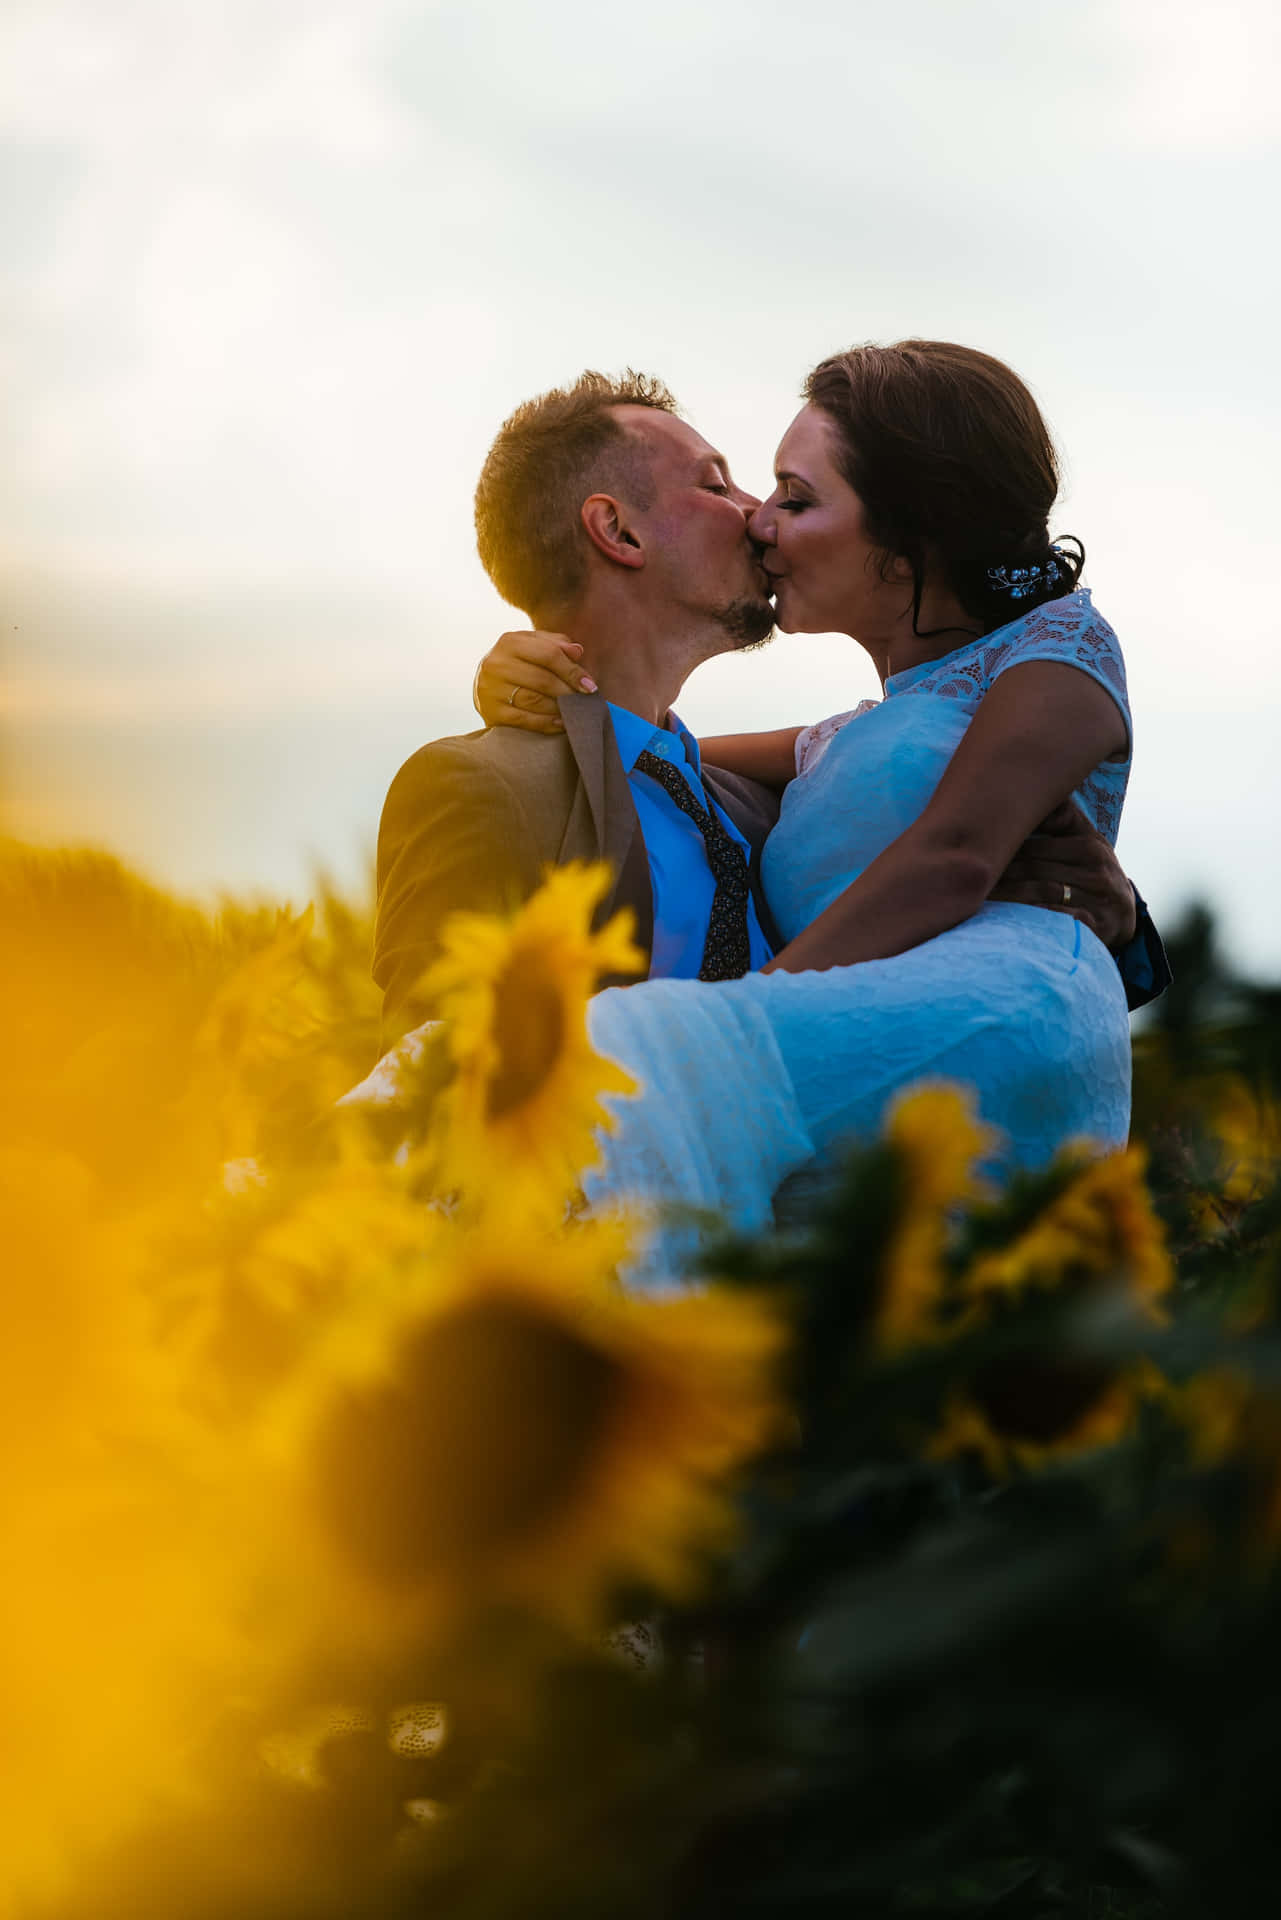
[603, 515]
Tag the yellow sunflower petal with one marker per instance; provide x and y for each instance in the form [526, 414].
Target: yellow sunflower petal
[1101, 1227]
[940, 1141]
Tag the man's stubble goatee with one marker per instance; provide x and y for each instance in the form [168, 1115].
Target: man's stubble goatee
[749, 622]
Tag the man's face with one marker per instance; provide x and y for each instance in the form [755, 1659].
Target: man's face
[698, 556]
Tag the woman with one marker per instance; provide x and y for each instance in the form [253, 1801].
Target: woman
[910, 511]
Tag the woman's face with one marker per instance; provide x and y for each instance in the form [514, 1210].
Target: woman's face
[825, 571]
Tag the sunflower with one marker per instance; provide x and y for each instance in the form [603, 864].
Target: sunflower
[507, 1427]
[247, 1283]
[1028, 1404]
[1234, 1421]
[1245, 1123]
[1101, 1230]
[104, 983]
[937, 1140]
[1033, 1407]
[265, 1063]
[521, 1114]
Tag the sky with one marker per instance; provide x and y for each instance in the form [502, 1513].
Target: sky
[273, 273]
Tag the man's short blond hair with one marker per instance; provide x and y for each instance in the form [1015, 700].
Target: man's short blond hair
[548, 457]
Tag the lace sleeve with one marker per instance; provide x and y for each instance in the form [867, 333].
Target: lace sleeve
[812, 742]
[1069, 631]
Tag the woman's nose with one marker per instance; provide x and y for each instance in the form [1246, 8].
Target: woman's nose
[761, 524]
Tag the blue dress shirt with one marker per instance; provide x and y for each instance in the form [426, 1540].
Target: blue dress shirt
[681, 878]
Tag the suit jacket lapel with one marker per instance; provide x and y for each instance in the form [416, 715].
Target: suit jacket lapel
[584, 716]
[618, 836]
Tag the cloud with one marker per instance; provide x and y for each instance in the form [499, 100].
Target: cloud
[145, 73]
[1204, 76]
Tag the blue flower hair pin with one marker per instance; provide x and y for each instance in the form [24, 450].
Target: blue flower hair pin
[1018, 582]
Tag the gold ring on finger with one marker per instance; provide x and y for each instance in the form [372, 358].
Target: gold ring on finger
[511, 698]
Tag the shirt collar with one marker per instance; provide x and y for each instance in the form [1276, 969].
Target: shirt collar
[636, 735]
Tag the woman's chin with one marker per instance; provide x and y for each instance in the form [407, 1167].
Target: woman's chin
[784, 619]
[792, 620]
[790, 613]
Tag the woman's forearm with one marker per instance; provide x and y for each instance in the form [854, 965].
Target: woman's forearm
[1036, 736]
[767, 757]
[908, 895]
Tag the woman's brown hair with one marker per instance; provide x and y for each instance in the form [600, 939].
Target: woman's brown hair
[955, 468]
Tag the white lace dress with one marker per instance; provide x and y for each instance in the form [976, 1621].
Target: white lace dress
[745, 1080]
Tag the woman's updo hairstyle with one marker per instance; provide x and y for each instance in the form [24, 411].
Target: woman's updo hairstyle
[954, 466]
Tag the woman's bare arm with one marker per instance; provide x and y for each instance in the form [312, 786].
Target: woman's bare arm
[767, 757]
[1038, 732]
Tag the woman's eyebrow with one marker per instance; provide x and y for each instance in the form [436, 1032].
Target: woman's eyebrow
[783, 473]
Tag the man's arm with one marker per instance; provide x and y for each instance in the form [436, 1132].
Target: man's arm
[1145, 966]
[1066, 852]
[453, 836]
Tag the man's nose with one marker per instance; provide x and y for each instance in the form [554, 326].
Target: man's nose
[747, 501]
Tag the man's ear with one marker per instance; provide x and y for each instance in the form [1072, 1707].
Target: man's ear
[609, 528]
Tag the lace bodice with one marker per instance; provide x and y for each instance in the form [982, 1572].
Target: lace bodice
[863, 777]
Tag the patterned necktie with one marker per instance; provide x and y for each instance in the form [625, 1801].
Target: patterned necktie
[727, 952]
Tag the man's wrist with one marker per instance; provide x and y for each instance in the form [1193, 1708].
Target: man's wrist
[1134, 956]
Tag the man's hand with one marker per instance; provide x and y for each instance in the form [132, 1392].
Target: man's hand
[1067, 865]
[523, 675]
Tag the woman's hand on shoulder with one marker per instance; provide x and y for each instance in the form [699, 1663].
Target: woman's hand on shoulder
[522, 677]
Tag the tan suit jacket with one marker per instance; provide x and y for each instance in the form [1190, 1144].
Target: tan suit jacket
[473, 821]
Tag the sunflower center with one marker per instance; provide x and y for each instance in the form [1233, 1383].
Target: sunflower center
[486, 1433]
[529, 1027]
[1036, 1398]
